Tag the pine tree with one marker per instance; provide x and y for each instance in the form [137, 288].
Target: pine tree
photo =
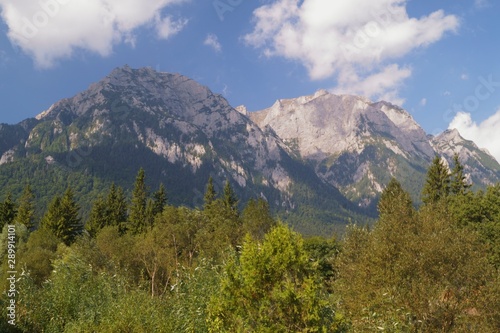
[159, 200]
[117, 207]
[62, 218]
[230, 199]
[458, 181]
[257, 219]
[26, 210]
[437, 185]
[8, 211]
[137, 217]
[99, 216]
[394, 201]
[210, 193]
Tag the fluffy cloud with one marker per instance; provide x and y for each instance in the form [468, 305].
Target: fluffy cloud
[213, 42]
[49, 30]
[485, 135]
[355, 41]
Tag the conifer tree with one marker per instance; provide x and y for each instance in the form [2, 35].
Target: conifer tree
[458, 182]
[26, 210]
[257, 219]
[230, 199]
[437, 185]
[62, 218]
[137, 217]
[117, 206]
[99, 216]
[210, 193]
[159, 200]
[8, 211]
[394, 201]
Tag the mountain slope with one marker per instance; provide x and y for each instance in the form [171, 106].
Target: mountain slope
[357, 145]
[479, 166]
[181, 133]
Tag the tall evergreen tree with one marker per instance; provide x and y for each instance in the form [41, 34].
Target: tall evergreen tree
[437, 184]
[26, 210]
[137, 217]
[210, 193]
[159, 200]
[8, 211]
[459, 184]
[257, 219]
[230, 199]
[62, 218]
[394, 201]
[117, 206]
[99, 216]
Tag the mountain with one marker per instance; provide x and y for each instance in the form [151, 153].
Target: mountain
[320, 160]
[357, 145]
[480, 166]
[179, 131]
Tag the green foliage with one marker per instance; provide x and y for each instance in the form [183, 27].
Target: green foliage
[26, 208]
[137, 216]
[117, 207]
[8, 211]
[459, 185]
[257, 219]
[99, 217]
[271, 287]
[210, 193]
[417, 272]
[62, 218]
[437, 185]
[37, 254]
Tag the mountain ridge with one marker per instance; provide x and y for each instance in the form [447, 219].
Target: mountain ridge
[321, 158]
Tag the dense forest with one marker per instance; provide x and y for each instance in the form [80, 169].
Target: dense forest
[139, 264]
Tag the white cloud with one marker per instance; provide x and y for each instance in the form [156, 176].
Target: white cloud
[355, 41]
[481, 3]
[49, 30]
[485, 135]
[213, 42]
[464, 77]
[423, 102]
[167, 27]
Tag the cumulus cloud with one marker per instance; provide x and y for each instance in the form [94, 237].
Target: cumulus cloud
[49, 30]
[213, 42]
[357, 41]
[485, 135]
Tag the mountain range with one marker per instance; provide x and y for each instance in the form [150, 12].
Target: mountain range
[321, 161]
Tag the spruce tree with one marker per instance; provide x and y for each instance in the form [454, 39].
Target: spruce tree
[99, 216]
[394, 201]
[137, 217]
[437, 184]
[117, 207]
[62, 218]
[257, 219]
[26, 210]
[230, 199]
[458, 181]
[8, 211]
[210, 194]
[159, 200]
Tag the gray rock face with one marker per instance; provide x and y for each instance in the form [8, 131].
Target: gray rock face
[357, 145]
[174, 117]
[480, 167]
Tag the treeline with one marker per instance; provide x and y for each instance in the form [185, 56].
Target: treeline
[142, 265]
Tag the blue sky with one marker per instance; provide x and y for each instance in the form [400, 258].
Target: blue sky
[438, 59]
